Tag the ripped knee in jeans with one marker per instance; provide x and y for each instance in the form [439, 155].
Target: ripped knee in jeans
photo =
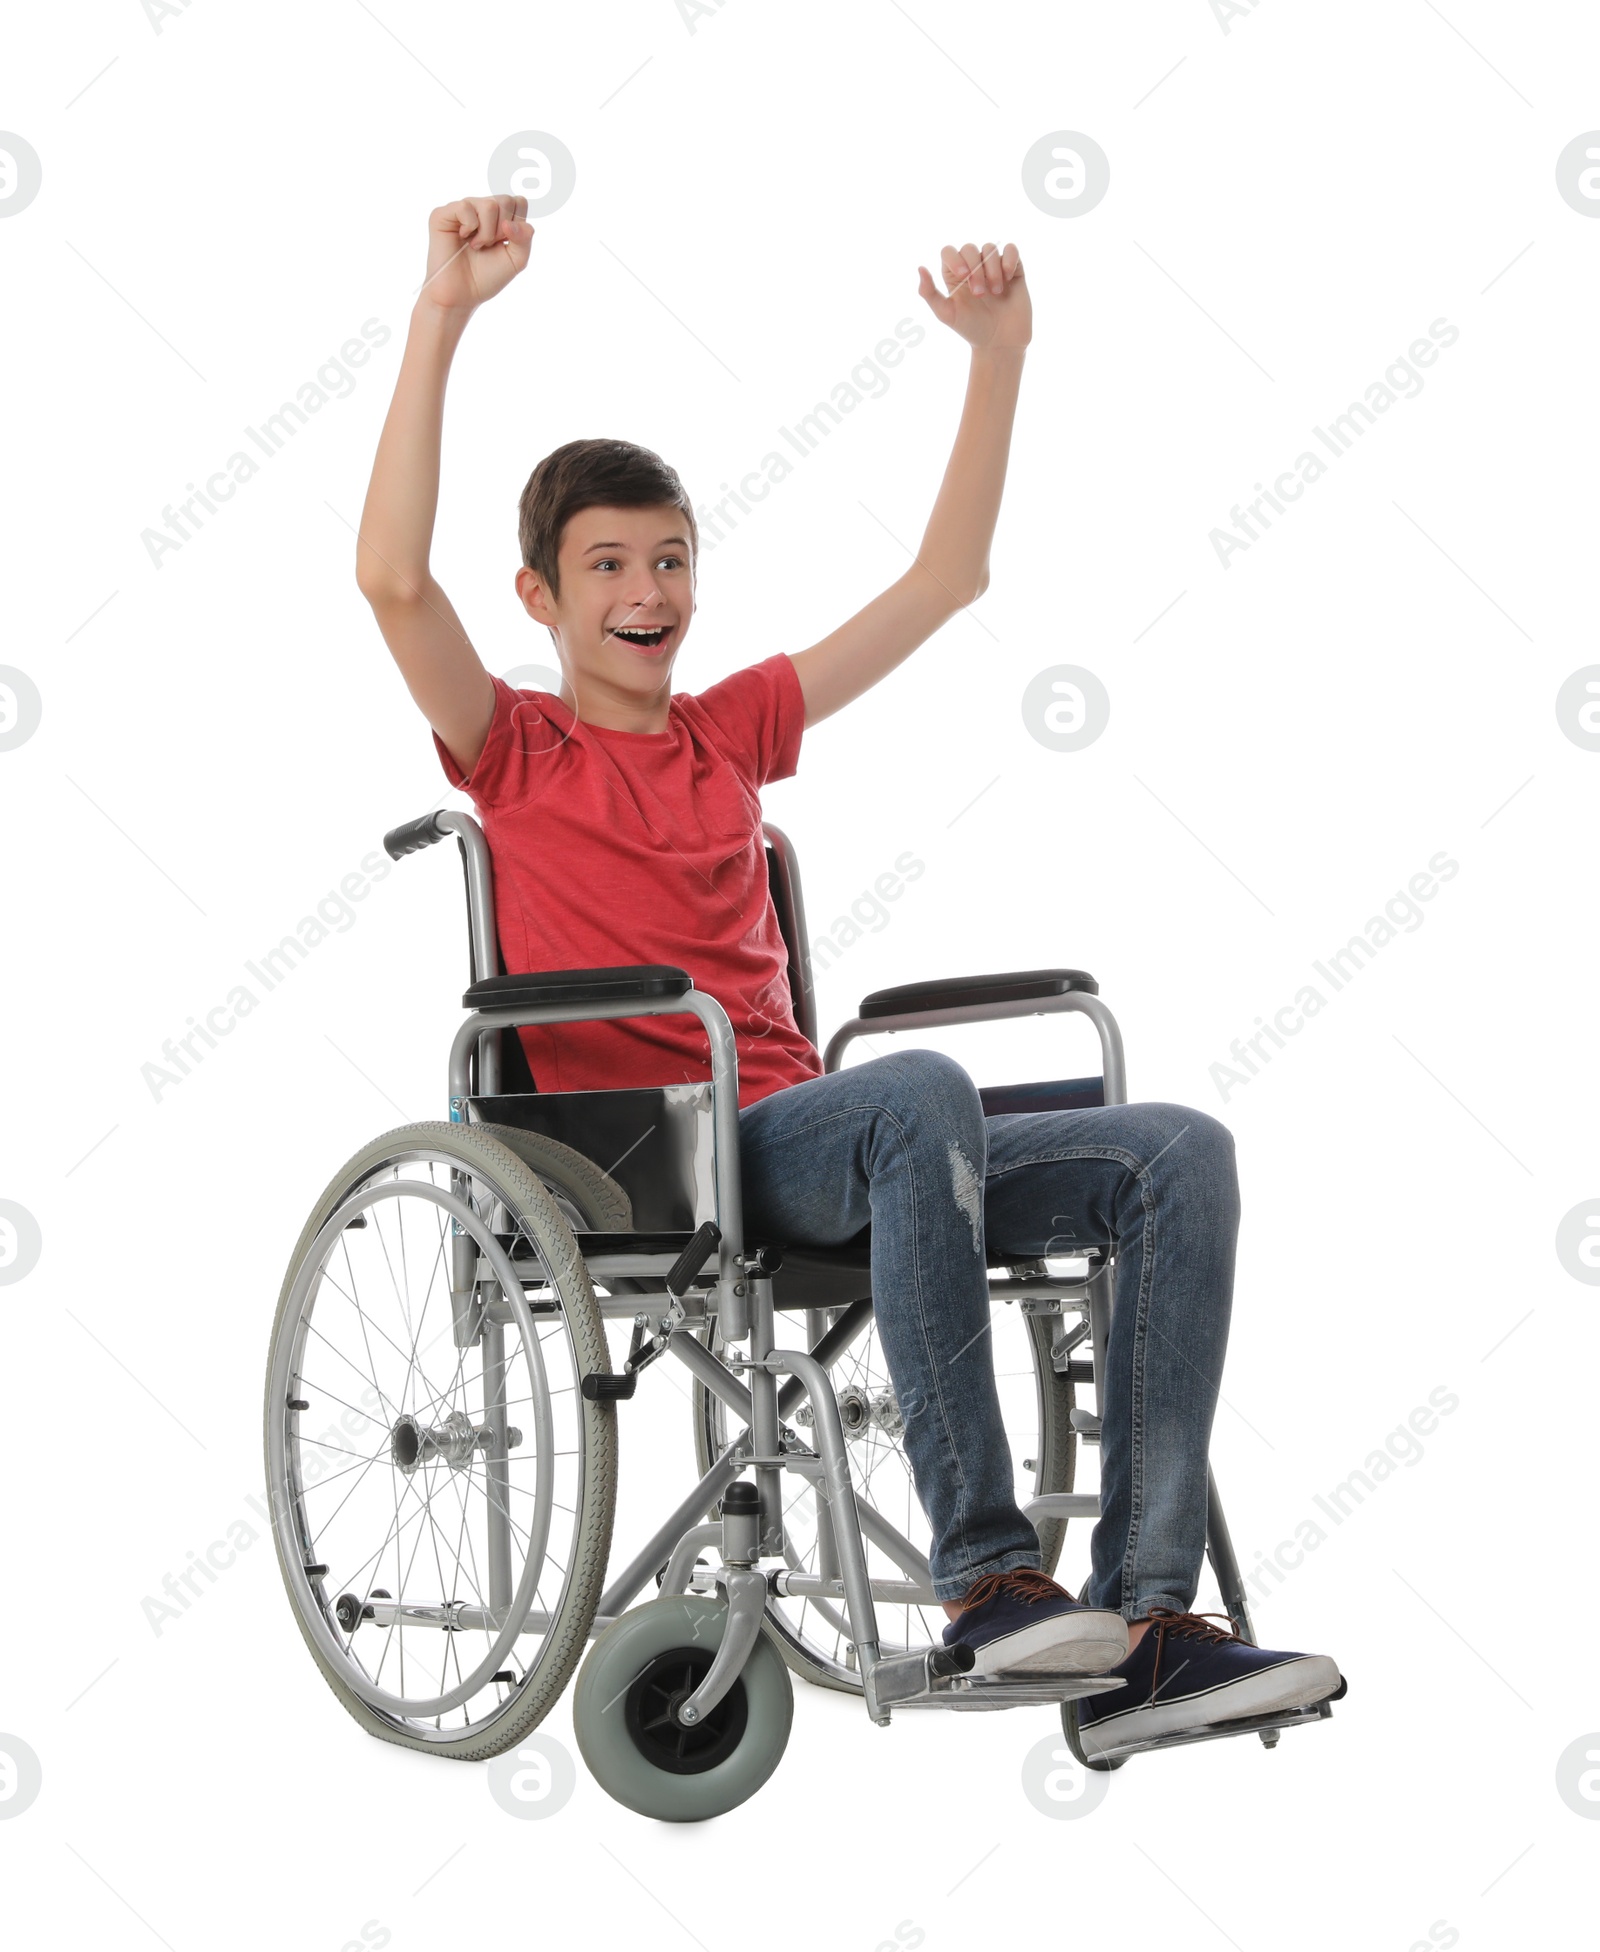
[968, 1189]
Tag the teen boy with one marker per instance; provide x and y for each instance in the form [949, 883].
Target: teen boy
[624, 823]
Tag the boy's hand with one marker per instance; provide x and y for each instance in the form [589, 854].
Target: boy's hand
[988, 297]
[475, 248]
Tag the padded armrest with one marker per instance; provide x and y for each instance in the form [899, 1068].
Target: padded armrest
[635, 983]
[960, 992]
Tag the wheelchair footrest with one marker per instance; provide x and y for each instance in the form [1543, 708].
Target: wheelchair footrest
[921, 1680]
[1317, 1711]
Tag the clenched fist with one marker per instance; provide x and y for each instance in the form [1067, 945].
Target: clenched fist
[475, 248]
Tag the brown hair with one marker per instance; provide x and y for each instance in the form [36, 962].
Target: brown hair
[592, 474]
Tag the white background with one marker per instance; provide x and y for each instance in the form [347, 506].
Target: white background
[1292, 737]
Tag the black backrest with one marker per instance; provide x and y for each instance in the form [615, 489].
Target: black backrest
[783, 878]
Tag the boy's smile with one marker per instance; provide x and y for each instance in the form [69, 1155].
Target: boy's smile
[649, 639]
[626, 597]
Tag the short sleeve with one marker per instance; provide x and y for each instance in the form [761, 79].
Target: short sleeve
[761, 713]
[520, 733]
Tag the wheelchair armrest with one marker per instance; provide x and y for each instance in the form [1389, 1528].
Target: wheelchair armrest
[636, 983]
[966, 992]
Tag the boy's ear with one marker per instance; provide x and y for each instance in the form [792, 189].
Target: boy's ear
[535, 598]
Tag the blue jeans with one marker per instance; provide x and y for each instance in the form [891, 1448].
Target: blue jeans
[902, 1142]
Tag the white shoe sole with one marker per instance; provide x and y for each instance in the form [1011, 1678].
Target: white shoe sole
[1071, 1643]
[1292, 1684]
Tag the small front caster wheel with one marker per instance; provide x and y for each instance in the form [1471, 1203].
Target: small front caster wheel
[1100, 1764]
[624, 1712]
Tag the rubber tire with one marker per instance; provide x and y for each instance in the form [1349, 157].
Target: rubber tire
[615, 1660]
[480, 1150]
[1056, 1468]
[598, 1199]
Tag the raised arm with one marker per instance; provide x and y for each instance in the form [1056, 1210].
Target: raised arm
[475, 248]
[986, 302]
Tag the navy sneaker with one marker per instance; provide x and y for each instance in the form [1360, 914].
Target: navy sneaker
[1023, 1622]
[1187, 1674]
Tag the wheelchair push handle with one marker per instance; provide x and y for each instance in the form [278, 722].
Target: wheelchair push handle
[413, 835]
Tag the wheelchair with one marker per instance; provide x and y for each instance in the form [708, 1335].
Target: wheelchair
[442, 1407]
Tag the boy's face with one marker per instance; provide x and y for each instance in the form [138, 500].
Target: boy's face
[627, 594]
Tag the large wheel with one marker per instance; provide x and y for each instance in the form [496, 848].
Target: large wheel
[1036, 1403]
[637, 1671]
[442, 1492]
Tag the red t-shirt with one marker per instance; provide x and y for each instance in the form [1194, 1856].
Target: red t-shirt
[645, 847]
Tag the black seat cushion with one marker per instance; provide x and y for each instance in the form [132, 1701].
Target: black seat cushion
[640, 981]
[959, 992]
[825, 1277]
[810, 1277]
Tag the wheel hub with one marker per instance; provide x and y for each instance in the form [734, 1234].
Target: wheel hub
[659, 1690]
[455, 1442]
[861, 1411]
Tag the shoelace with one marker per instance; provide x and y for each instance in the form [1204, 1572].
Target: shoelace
[1191, 1625]
[1023, 1583]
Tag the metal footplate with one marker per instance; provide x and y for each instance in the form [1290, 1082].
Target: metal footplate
[940, 1677]
[1316, 1711]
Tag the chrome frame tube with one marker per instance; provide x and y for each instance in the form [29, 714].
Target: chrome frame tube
[496, 1469]
[817, 1326]
[694, 1354]
[841, 1495]
[764, 1421]
[485, 948]
[789, 1584]
[480, 890]
[684, 1554]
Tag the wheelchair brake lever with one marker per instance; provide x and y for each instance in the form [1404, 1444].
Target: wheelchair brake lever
[705, 1242]
[617, 1388]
